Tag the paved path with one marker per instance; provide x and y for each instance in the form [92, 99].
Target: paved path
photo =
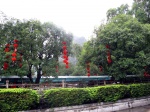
[138, 109]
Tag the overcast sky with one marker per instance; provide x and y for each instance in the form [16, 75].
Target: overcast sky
[76, 16]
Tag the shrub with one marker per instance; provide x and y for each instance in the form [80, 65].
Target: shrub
[112, 93]
[92, 91]
[66, 97]
[17, 99]
[139, 90]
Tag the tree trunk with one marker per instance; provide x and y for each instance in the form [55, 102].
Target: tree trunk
[30, 74]
[39, 73]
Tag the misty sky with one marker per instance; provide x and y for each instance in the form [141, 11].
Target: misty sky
[76, 16]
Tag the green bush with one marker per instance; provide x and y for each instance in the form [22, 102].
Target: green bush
[139, 90]
[74, 96]
[92, 91]
[66, 97]
[12, 100]
[112, 93]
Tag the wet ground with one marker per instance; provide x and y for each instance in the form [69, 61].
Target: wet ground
[138, 109]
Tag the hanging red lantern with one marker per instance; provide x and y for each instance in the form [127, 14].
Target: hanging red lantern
[64, 42]
[101, 68]
[15, 45]
[107, 46]
[64, 60]
[64, 56]
[7, 45]
[67, 66]
[20, 65]
[64, 47]
[5, 66]
[14, 54]
[88, 68]
[13, 59]
[65, 52]
[6, 50]
[88, 71]
[56, 68]
[15, 50]
[16, 41]
[109, 61]
[67, 62]
[88, 74]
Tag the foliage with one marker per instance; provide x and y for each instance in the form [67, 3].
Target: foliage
[112, 93]
[17, 99]
[141, 10]
[39, 44]
[24, 99]
[109, 93]
[66, 97]
[139, 90]
[79, 71]
[129, 48]
[62, 71]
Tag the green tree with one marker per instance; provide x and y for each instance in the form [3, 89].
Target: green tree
[39, 44]
[123, 9]
[128, 46]
[141, 10]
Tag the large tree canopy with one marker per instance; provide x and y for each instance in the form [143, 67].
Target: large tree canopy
[129, 49]
[39, 45]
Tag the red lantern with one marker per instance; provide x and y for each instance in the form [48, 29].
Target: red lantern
[67, 62]
[56, 68]
[6, 50]
[64, 47]
[64, 42]
[14, 54]
[64, 60]
[88, 74]
[67, 66]
[15, 45]
[64, 56]
[15, 50]
[65, 52]
[20, 65]
[13, 59]
[109, 61]
[7, 45]
[16, 41]
[107, 46]
[5, 66]
[88, 68]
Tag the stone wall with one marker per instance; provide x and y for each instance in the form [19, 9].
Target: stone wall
[101, 107]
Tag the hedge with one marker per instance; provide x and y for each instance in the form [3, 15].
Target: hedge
[111, 93]
[66, 97]
[12, 100]
[139, 90]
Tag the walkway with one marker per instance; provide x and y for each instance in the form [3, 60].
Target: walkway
[138, 109]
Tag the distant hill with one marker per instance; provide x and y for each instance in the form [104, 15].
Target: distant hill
[79, 40]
